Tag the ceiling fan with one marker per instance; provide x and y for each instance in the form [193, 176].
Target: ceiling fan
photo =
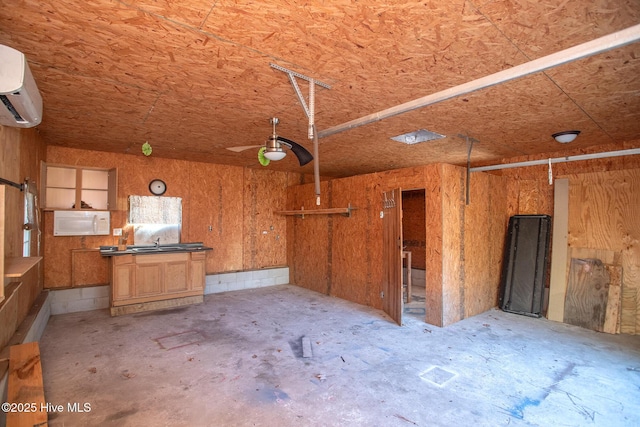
[273, 148]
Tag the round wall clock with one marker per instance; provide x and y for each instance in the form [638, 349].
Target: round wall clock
[157, 187]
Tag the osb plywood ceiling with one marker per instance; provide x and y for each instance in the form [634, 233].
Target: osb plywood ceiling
[193, 77]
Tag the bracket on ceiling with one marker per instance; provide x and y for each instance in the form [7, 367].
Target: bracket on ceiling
[309, 109]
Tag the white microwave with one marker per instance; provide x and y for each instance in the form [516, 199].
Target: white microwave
[81, 223]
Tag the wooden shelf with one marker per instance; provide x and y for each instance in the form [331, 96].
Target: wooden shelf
[327, 211]
[18, 267]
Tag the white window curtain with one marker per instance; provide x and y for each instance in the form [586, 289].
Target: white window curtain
[155, 210]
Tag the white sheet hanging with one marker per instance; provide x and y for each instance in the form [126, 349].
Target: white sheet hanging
[155, 210]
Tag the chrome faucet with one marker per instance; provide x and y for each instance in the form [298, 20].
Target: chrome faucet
[157, 242]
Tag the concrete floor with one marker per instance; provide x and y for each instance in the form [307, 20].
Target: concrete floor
[237, 360]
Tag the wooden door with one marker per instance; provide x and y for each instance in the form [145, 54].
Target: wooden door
[392, 254]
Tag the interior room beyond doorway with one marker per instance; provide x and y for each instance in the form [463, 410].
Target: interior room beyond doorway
[414, 249]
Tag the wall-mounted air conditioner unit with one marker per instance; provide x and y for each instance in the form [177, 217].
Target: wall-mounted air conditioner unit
[20, 100]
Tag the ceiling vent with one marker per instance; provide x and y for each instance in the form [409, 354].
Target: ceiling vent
[417, 136]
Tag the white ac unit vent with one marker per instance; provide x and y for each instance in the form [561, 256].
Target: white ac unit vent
[20, 100]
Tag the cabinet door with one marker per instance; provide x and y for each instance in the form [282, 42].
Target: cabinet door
[122, 278]
[59, 187]
[177, 275]
[198, 271]
[123, 282]
[149, 279]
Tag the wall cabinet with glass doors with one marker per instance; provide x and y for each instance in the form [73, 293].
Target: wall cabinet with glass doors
[76, 187]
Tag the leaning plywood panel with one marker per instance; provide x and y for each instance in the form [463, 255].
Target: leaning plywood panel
[629, 311]
[25, 386]
[587, 292]
[612, 315]
[558, 273]
[603, 212]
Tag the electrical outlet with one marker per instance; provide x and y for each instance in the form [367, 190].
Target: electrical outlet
[117, 231]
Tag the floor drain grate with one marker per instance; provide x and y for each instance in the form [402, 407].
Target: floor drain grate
[438, 376]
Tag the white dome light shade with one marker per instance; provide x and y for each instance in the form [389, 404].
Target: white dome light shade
[566, 136]
[275, 155]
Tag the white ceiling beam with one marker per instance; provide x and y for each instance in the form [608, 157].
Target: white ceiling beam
[579, 157]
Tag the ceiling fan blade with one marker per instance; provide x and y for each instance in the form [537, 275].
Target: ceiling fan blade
[243, 147]
[301, 153]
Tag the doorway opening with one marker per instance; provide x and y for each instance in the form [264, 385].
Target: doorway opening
[414, 235]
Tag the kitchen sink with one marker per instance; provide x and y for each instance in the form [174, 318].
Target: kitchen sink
[150, 249]
[146, 249]
[166, 248]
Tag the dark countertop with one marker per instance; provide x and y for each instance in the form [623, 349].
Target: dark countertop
[153, 249]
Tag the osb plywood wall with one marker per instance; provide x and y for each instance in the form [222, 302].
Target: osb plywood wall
[356, 242]
[228, 208]
[341, 256]
[309, 248]
[485, 227]
[529, 191]
[20, 153]
[473, 237]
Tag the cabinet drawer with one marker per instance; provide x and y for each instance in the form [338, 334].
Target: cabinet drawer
[156, 258]
[122, 259]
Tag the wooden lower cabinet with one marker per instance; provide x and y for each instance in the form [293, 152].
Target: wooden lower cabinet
[137, 279]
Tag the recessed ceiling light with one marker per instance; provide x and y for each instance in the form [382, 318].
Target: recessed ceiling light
[417, 136]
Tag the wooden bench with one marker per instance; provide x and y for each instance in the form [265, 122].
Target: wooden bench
[25, 391]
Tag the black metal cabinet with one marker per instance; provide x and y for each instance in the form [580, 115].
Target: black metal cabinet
[524, 270]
